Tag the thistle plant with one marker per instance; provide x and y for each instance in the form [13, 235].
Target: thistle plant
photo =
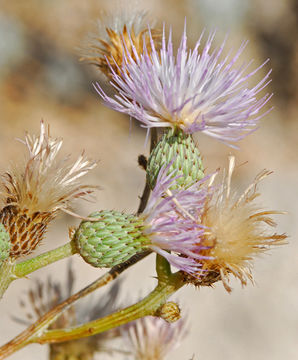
[200, 227]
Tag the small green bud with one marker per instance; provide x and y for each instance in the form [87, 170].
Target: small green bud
[112, 239]
[180, 147]
[5, 244]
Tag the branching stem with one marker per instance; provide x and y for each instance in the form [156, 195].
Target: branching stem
[147, 306]
[168, 283]
[43, 323]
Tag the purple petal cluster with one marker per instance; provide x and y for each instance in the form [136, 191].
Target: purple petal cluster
[193, 90]
[172, 222]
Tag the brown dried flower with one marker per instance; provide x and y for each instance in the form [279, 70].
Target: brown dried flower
[123, 30]
[235, 232]
[34, 191]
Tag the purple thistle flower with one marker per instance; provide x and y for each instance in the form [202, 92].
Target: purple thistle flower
[195, 91]
[171, 222]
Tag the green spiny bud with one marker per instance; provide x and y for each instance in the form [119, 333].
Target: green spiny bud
[180, 147]
[110, 240]
[5, 244]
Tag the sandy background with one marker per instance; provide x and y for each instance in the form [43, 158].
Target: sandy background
[41, 78]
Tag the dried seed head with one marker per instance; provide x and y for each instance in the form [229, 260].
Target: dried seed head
[33, 192]
[123, 30]
[236, 232]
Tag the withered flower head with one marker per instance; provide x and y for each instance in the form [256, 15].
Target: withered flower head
[125, 29]
[44, 295]
[34, 191]
[236, 231]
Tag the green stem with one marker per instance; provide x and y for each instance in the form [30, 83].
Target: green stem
[145, 307]
[6, 275]
[163, 269]
[44, 321]
[28, 266]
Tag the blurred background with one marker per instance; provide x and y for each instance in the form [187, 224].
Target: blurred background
[41, 77]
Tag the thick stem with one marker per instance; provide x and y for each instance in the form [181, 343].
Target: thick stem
[28, 266]
[147, 306]
[42, 323]
[163, 269]
[10, 271]
[6, 275]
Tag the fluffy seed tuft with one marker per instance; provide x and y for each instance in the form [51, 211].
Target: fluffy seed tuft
[237, 230]
[34, 191]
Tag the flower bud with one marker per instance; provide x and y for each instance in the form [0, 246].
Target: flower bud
[187, 159]
[110, 240]
[5, 244]
[169, 311]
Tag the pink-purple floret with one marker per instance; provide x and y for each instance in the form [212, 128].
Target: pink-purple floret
[170, 228]
[206, 86]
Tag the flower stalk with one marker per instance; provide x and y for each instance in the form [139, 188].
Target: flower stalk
[48, 318]
[7, 275]
[28, 266]
[148, 306]
[10, 271]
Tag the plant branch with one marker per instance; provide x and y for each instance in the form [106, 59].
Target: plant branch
[163, 269]
[6, 275]
[28, 266]
[10, 271]
[42, 323]
[147, 306]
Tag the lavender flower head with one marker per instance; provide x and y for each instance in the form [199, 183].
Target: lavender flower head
[194, 91]
[152, 338]
[171, 224]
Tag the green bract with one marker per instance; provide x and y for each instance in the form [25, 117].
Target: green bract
[5, 244]
[187, 159]
[111, 240]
